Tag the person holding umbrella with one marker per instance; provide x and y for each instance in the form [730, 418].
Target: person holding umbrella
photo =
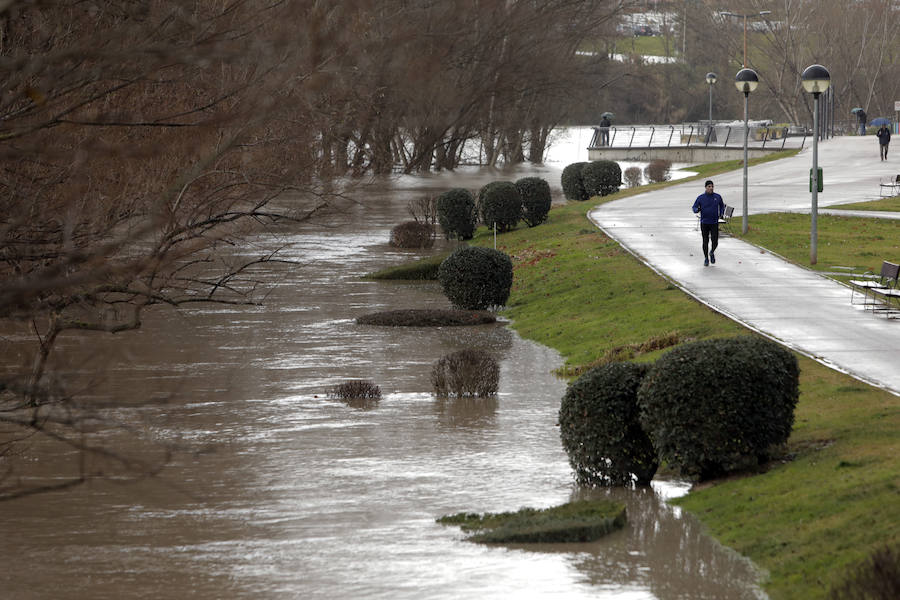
[860, 119]
[884, 136]
[605, 123]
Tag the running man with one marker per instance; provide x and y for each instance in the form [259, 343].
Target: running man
[711, 208]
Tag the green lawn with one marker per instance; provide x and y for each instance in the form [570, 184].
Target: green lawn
[849, 242]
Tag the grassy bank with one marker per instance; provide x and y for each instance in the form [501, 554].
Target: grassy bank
[834, 499]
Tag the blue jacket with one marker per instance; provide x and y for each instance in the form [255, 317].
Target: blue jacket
[710, 207]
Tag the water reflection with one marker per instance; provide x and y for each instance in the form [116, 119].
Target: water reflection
[286, 493]
[467, 412]
[665, 552]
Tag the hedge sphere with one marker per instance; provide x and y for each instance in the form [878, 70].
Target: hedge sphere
[600, 429]
[572, 183]
[601, 177]
[499, 203]
[456, 213]
[716, 406]
[536, 199]
[475, 278]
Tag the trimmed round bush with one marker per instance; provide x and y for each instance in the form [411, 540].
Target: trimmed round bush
[658, 170]
[600, 427]
[466, 372]
[601, 177]
[412, 234]
[716, 406]
[499, 202]
[476, 278]
[632, 176]
[572, 183]
[456, 213]
[536, 199]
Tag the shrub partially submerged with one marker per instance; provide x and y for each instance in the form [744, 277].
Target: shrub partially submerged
[427, 318]
[466, 373]
[357, 389]
[412, 234]
[583, 521]
[600, 429]
[658, 170]
[632, 176]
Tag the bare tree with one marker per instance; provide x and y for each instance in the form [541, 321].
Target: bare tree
[856, 43]
[136, 139]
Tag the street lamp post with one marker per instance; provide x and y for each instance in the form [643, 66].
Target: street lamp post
[710, 79]
[815, 80]
[759, 14]
[746, 81]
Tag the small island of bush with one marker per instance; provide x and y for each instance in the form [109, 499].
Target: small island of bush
[427, 318]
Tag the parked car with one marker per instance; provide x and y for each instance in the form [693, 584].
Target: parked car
[643, 30]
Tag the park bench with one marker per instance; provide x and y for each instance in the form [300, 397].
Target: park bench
[871, 285]
[889, 295]
[891, 187]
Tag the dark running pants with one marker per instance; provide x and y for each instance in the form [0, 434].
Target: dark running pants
[709, 231]
[884, 148]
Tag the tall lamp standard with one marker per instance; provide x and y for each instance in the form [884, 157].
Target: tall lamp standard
[710, 79]
[746, 81]
[815, 79]
[759, 14]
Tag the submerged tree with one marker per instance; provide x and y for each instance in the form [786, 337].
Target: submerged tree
[137, 140]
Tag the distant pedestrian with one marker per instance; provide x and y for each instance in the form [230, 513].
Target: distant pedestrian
[605, 124]
[711, 208]
[861, 118]
[884, 138]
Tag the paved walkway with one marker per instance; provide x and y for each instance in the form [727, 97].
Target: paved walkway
[796, 306]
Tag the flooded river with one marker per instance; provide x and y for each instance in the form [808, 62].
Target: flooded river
[278, 492]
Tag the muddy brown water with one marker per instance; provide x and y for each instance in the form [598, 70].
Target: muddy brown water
[289, 494]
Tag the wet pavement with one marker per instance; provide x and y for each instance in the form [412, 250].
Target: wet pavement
[798, 307]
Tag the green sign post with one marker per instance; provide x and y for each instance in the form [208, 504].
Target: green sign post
[818, 180]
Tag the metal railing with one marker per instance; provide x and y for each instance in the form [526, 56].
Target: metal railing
[695, 136]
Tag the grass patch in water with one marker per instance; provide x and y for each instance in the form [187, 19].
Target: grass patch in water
[425, 317]
[425, 268]
[582, 521]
